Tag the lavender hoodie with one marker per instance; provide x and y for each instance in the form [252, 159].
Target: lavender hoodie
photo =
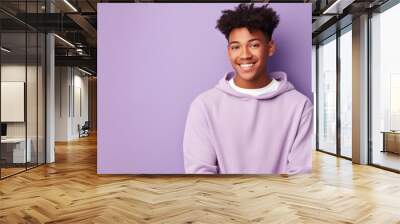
[231, 132]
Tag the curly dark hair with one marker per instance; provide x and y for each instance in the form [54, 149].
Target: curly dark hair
[253, 18]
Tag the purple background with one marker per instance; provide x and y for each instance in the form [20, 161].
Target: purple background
[153, 59]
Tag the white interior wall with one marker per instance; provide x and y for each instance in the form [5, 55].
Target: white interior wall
[61, 103]
[70, 83]
[17, 72]
[80, 108]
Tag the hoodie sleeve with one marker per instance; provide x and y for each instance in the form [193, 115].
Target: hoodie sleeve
[300, 155]
[199, 155]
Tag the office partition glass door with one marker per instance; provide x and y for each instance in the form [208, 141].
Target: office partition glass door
[32, 97]
[14, 153]
[327, 96]
[334, 104]
[345, 92]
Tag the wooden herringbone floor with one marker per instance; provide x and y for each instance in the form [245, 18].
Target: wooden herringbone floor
[70, 191]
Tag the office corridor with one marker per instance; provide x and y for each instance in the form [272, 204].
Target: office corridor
[70, 191]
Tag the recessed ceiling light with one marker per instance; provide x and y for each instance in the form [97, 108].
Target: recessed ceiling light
[70, 5]
[84, 71]
[5, 50]
[64, 40]
[337, 7]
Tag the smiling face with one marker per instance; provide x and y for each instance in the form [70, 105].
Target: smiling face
[248, 53]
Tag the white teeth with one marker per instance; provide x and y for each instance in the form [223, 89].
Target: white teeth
[246, 65]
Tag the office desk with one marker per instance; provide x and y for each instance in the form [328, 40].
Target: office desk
[391, 141]
[13, 150]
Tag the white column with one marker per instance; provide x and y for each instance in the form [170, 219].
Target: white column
[50, 93]
[50, 100]
[360, 90]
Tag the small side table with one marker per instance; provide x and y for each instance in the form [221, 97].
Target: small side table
[391, 141]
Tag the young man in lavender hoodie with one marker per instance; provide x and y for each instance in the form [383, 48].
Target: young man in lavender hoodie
[253, 121]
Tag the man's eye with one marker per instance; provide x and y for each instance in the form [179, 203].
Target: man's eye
[255, 45]
[234, 47]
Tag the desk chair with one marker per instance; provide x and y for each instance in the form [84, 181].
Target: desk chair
[84, 130]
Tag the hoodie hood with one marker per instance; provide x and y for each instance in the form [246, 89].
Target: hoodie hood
[284, 86]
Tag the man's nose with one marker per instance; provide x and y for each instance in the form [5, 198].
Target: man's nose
[245, 54]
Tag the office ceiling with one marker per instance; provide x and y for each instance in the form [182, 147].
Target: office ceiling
[76, 22]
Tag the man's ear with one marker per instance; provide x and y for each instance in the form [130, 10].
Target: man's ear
[271, 48]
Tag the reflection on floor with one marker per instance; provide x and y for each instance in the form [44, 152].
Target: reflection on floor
[386, 159]
[346, 152]
[10, 169]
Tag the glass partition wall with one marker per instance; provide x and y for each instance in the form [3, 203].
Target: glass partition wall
[385, 89]
[327, 95]
[346, 75]
[13, 90]
[334, 94]
[22, 88]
